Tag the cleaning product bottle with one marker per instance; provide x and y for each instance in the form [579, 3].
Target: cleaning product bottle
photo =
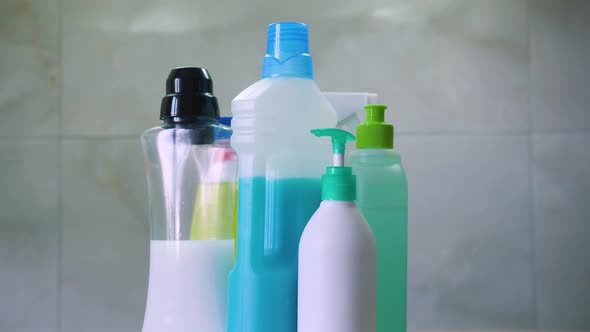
[337, 258]
[230, 160]
[279, 182]
[382, 197]
[219, 181]
[188, 272]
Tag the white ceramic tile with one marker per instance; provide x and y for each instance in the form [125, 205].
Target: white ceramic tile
[441, 65]
[29, 278]
[446, 65]
[40, 329]
[29, 67]
[115, 61]
[560, 74]
[235, 35]
[105, 241]
[116, 57]
[470, 247]
[28, 236]
[562, 229]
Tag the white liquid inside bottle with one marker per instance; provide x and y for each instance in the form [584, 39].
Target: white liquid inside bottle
[182, 273]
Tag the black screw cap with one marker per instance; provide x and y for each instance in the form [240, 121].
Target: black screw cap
[189, 96]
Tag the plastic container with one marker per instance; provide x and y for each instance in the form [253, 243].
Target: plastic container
[220, 182]
[382, 197]
[337, 258]
[279, 181]
[191, 217]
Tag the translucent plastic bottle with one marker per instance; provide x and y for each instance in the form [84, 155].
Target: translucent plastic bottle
[279, 181]
[191, 215]
[382, 197]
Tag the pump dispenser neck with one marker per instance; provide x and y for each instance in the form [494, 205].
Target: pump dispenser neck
[338, 184]
[287, 51]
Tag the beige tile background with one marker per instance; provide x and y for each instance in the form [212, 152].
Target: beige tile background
[491, 106]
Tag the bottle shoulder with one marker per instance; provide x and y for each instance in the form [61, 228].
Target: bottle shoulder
[273, 84]
[337, 225]
[275, 113]
[376, 157]
[281, 93]
[381, 178]
[332, 210]
[188, 134]
[151, 131]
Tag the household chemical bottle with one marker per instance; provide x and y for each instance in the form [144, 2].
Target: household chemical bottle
[279, 182]
[220, 181]
[229, 165]
[337, 258]
[382, 197]
[188, 272]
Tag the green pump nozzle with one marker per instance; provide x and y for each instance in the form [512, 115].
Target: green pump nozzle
[339, 139]
[338, 184]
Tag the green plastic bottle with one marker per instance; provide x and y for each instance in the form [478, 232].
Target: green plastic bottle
[382, 197]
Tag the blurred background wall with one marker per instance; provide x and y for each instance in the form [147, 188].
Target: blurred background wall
[490, 98]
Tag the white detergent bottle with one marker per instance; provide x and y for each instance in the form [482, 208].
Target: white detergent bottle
[337, 255]
[279, 181]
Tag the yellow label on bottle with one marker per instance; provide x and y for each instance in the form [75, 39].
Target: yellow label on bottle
[214, 216]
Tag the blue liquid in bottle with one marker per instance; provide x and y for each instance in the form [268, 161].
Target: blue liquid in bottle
[279, 171]
[272, 214]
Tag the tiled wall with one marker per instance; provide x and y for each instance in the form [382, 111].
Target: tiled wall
[491, 101]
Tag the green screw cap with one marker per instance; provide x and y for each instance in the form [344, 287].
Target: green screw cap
[374, 133]
[338, 184]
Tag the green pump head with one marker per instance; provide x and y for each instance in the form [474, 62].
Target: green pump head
[374, 133]
[338, 184]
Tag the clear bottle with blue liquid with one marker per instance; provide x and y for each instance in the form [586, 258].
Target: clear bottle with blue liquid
[279, 181]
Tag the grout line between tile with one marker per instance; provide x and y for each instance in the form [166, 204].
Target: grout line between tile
[461, 133]
[100, 138]
[561, 132]
[31, 139]
[530, 157]
[41, 139]
[496, 133]
[59, 310]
